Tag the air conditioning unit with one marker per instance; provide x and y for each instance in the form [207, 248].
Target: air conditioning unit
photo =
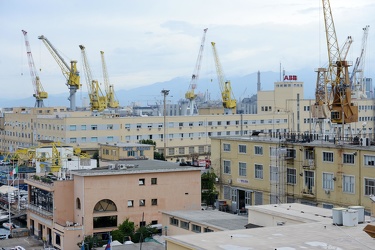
[217, 180]
[230, 181]
[327, 191]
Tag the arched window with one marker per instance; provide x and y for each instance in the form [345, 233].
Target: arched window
[105, 205]
[78, 203]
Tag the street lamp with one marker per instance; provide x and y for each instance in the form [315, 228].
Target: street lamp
[165, 93]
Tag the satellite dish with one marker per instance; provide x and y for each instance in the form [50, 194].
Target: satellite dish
[372, 197]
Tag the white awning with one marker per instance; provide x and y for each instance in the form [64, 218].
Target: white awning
[7, 189]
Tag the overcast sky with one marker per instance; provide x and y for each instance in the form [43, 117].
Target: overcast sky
[153, 41]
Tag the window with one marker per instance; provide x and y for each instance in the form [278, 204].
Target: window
[73, 140]
[154, 181]
[109, 138]
[200, 123]
[226, 167]
[94, 139]
[105, 205]
[139, 125]
[242, 168]
[219, 123]
[348, 184]
[94, 127]
[170, 124]
[258, 171]
[181, 151]
[195, 228]
[149, 125]
[72, 128]
[369, 186]
[201, 149]
[348, 158]
[274, 173]
[226, 147]
[291, 176]
[109, 126]
[142, 202]
[309, 180]
[173, 221]
[131, 153]
[191, 150]
[327, 181]
[191, 124]
[209, 123]
[130, 203]
[242, 149]
[141, 182]
[127, 126]
[185, 225]
[227, 192]
[83, 127]
[78, 203]
[258, 150]
[154, 202]
[180, 124]
[369, 160]
[83, 139]
[328, 156]
[171, 151]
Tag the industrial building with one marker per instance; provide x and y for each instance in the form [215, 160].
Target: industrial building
[258, 169]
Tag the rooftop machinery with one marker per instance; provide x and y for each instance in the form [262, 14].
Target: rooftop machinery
[98, 101]
[112, 101]
[229, 102]
[70, 72]
[190, 95]
[39, 92]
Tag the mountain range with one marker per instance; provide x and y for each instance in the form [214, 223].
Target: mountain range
[242, 86]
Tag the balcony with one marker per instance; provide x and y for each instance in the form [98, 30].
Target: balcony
[309, 164]
[40, 211]
[308, 193]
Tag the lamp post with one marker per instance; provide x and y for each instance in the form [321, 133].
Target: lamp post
[165, 93]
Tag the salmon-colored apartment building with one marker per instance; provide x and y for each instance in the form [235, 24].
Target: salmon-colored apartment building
[94, 202]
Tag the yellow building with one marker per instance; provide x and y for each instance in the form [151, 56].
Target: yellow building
[256, 170]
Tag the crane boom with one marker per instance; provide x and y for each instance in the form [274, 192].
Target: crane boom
[39, 92]
[190, 95]
[342, 109]
[98, 101]
[225, 86]
[70, 72]
[356, 77]
[112, 101]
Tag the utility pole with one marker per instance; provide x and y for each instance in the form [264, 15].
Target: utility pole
[165, 93]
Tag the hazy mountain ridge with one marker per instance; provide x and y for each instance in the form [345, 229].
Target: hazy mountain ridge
[242, 86]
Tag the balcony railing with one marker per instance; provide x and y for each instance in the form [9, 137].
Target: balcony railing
[40, 211]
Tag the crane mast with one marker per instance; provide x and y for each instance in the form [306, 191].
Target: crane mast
[69, 71]
[190, 95]
[39, 92]
[356, 77]
[229, 102]
[342, 109]
[112, 102]
[98, 101]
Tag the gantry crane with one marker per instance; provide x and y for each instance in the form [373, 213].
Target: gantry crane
[342, 109]
[70, 72]
[39, 92]
[356, 77]
[229, 103]
[190, 95]
[112, 101]
[98, 101]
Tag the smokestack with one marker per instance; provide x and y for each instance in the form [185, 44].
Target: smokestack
[258, 83]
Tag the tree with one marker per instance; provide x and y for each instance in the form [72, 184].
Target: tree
[157, 155]
[126, 228]
[209, 192]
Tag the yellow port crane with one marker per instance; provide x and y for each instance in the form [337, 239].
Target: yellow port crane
[112, 101]
[70, 72]
[190, 95]
[229, 102]
[340, 104]
[39, 92]
[98, 101]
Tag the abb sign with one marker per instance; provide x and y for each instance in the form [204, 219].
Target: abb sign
[290, 78]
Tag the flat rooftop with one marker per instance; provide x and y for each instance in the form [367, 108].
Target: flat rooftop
[316, 231]
[214, 218]
[135, 166]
